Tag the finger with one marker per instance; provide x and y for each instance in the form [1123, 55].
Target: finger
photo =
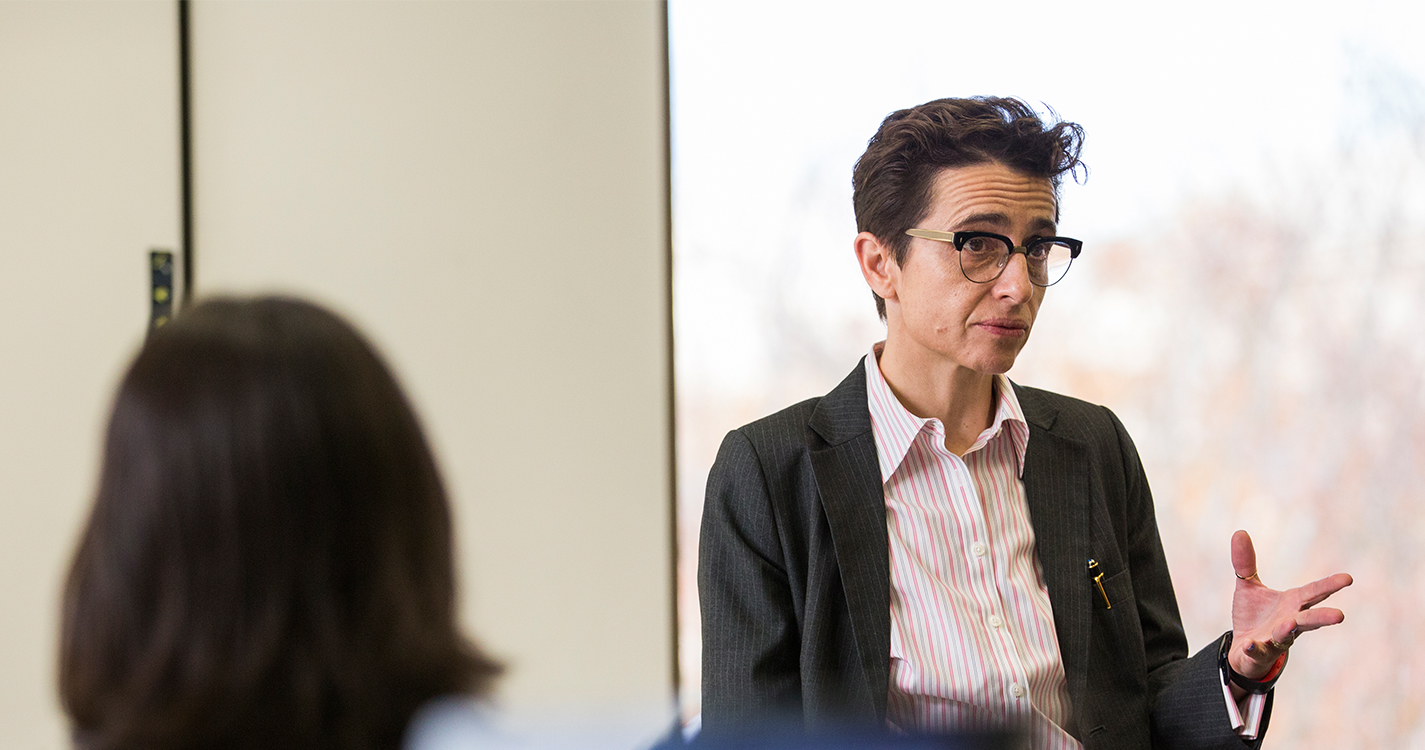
[1244, 556]
[1261, 652]
[1312, 619]
[1284, 634]
[1316, 592]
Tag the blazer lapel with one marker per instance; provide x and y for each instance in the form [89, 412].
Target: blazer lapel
[848, 477]
[1057, 488]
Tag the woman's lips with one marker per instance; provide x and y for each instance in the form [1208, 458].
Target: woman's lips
[1004, 327]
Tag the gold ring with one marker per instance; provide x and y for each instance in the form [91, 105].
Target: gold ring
[1245, 578]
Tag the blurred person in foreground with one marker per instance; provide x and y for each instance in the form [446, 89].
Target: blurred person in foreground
[268, 560]
[932, 547]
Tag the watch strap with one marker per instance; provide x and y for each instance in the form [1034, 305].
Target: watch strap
[1258, 687]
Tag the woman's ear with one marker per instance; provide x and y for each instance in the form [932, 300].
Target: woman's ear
[878, 265]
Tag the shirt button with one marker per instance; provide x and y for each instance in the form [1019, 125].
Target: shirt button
[1016, 691]
[995, 622]
[979, 549]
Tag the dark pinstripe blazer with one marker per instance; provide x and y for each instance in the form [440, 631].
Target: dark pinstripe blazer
[794, 577]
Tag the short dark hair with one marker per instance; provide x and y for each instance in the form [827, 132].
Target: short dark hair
[894, 178]
[268, 562]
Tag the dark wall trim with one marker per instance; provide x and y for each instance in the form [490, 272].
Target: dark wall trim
[668, 328]
[185, 145]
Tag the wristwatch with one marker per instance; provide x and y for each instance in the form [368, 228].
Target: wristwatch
[1257, 687]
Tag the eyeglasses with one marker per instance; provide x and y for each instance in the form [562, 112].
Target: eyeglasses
[984, 255]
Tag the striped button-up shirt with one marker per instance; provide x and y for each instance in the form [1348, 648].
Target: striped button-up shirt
[973, 644]
[972, 632]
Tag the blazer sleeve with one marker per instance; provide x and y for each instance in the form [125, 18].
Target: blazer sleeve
[751, 640]
[1186, 703]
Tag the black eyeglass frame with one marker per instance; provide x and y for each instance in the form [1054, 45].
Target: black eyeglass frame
[958, 240]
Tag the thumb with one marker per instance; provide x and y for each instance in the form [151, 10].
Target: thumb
[1244, 556]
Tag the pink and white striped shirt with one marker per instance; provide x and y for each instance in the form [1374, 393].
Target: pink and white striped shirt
[972, 632]
[973, 644]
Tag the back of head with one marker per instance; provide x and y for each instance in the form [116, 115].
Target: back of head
[893, 179]
[268, 560]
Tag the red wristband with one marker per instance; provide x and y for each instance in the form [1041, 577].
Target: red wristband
[1276, 669]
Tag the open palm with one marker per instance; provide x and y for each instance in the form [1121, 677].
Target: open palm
[1265, 622]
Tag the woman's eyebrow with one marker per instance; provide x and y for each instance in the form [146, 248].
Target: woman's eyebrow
[1039, 225]
[1001, 221]
[994, 218]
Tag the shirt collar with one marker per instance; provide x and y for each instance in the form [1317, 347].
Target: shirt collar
[895, 429]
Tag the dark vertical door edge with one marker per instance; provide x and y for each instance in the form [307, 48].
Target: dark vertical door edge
[668, 328]
[185, 145]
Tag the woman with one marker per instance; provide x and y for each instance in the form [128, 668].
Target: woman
[268, 560]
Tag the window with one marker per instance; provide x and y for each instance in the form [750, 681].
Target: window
[1247, 300]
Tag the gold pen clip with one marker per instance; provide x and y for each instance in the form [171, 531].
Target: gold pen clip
[1097, 577]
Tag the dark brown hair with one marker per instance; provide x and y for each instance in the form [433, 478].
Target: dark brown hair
[894, 178]
[268, 562]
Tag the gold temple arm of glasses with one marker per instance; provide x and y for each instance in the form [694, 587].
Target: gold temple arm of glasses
[931, 234]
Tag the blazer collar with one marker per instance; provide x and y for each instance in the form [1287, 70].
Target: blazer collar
[1037, 411]
[842, 414]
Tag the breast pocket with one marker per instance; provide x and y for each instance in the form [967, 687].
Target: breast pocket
[1118, 634]
[1117, 593]
[1115, 609]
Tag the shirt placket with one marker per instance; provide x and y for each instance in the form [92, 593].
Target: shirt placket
[1007, 680]
[1009, 650]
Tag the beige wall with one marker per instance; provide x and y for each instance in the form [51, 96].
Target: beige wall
[88, 183]
[480, 186]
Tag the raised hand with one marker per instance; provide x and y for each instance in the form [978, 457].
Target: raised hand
[1265, 622]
